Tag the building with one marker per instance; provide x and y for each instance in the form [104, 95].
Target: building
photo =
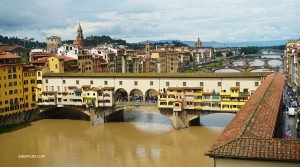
[17, 85]
[16, 50]
[255, 137]
[205, 88]
[53, 43]
[291, 62]
[85, 63]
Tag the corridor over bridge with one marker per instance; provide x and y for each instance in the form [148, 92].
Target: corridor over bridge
[182, 97]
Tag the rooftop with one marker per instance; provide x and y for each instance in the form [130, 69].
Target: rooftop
[250, 133]
[165, 75]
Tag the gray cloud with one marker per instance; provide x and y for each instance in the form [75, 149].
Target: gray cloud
[132, 20]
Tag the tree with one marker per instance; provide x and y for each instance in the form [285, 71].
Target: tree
[219, 54]
[229, 54]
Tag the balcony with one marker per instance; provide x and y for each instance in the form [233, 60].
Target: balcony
[244, 93]
[224, 93]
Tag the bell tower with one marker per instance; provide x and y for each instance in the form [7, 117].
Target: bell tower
[79, 33]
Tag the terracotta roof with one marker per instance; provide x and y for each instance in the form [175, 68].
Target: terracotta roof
[86, 86]
[235, 87]
[250, 133]
[109, 87]
[206, 93]
[185, 87]
[71, 86]
[9, 56]
[41, 55]
[78, 42]
[41, 60]
[8, 47]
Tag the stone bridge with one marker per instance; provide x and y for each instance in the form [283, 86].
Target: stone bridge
[19, 117]
[96, 115]
[180, 119]
[229, 64]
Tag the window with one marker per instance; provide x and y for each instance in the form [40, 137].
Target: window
[151, 83]
[237, 84]
[52, 88]
[167, 84]
[58, 88]
[56, 66]
[46, 88]
[183, 83]
[46, 80]
[135, 83]
[256, 83]
[105, 82]
[120, 83]
[64, 81]
[219, 84]
[39, 74]
[201, 83]
[91, 82]
[77, 82]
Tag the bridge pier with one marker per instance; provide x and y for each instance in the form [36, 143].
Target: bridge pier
[101, 115]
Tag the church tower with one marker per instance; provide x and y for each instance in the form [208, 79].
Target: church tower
[198, 44]
[79, 39]
[79, 33]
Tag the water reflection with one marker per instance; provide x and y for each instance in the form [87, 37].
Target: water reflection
[136, 142]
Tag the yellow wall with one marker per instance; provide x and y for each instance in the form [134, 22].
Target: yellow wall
[12, 95]
[55, 65]
[29, 88]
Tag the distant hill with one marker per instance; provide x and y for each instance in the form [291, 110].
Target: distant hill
[228, 44]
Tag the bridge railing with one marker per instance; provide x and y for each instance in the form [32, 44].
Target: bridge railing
[119, 104]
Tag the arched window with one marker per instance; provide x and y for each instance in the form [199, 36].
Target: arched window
[15, 83]
[9, 77]
[15, 91]
[15, 76]
[11, 92]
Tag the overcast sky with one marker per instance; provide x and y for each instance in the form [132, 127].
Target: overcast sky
[140, 20]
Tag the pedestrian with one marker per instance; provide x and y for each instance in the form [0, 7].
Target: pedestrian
[288, 133]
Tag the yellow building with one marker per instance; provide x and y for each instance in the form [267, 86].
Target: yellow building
[29, 87]
[179, 98]
[17, 87]
[85, 63]
[234, 99]
[55, 64]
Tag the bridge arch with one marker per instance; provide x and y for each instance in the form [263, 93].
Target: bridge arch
[121, 95]
[64, 113]
[226, 70]
[136, 95]
[151, 95]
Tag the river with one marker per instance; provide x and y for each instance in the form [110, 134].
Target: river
[144, 138]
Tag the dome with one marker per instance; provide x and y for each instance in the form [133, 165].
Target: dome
[78, 42]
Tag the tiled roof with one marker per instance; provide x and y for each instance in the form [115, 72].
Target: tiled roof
[109, 87]
[41, 60]
[9, 56]
[185, 87]
[7, 47]
[250, 133]
[86, 86]
[206, 93]
[165, 75]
